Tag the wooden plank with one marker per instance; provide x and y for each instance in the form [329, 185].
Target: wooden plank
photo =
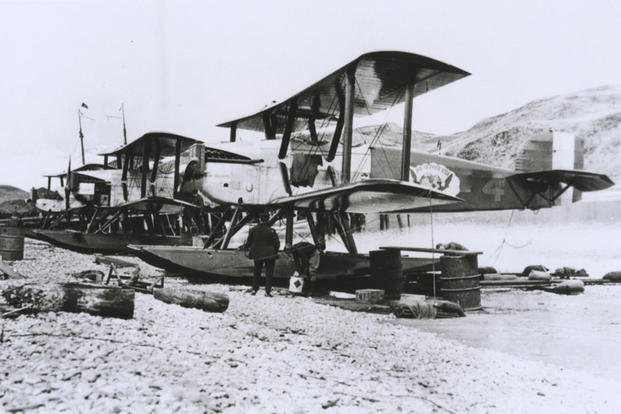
[101, 259]
[428, 250]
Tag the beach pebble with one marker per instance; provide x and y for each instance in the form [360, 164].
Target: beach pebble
[280, 354]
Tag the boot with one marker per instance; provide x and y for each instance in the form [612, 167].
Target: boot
[310, 291]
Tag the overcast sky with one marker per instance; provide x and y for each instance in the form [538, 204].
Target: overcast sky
[184, 66]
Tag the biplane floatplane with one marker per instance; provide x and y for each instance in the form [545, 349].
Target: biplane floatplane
[136, 198]
[313, 178]
[304, 165]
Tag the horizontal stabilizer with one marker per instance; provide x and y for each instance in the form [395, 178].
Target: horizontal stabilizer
[551, 184]
[580, 180]
[369, 196]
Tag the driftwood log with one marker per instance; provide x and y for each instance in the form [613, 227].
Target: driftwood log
[207, 301]
[96, 300]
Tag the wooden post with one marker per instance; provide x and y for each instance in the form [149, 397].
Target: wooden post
[49, 183]
[105, 161]
[350, 83]
[407, 133]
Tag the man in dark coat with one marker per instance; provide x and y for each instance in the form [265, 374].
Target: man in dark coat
[262, 245]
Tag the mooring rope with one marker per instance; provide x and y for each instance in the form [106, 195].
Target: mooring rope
[504, 241]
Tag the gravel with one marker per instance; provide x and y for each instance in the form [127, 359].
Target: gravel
[281, 354]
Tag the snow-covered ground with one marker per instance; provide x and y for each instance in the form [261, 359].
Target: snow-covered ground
[526, 352]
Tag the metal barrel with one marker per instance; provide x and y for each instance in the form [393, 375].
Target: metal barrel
[387, 272]
[11, 243]
[460, 281]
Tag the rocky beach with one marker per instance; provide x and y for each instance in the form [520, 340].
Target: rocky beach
[282, 354]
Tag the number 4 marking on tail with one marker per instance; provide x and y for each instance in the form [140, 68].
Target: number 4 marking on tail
[495, 187]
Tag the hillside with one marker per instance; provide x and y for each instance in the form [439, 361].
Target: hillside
[8, 192]
[593, 114]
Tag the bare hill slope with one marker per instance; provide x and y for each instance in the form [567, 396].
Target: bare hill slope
[592, 114]
[8, 192]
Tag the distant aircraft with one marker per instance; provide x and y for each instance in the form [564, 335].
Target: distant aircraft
[133, 199]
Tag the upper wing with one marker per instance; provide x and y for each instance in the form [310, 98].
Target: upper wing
[369, 196]
[166, 143]
[380, 79]
[550, 184]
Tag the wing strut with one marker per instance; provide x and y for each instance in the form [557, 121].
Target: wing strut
[407, 133]
[127, 159]
[229, 233]
[144, 168]
[177, 162]
[311, 119]
[269, 125]
[334, 145]
[348, 127]
[156, 161]
[285, 177]
[545, 192]
[286, 136]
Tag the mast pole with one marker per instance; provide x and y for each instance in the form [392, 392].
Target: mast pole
[124, 126]
[81, 135]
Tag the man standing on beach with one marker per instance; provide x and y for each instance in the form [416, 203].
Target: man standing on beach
[263, 244]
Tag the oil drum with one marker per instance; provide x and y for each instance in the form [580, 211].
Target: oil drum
[11, 243]
[460, 281]
[387, 272]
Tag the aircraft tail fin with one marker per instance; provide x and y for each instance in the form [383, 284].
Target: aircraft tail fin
[552, 150]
